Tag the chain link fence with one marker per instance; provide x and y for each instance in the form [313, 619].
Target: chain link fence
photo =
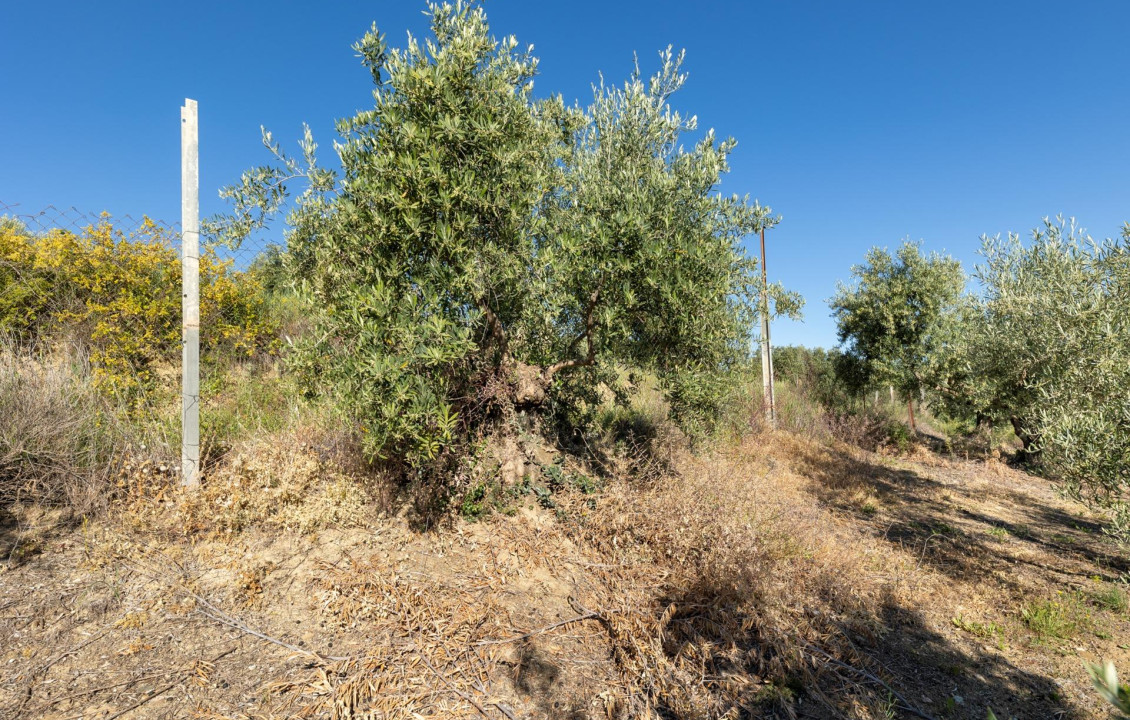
[97, 297]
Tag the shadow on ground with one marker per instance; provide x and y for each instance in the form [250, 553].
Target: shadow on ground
[918, 671]
[966, 528]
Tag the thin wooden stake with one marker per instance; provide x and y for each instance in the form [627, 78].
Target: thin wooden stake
[766, 348]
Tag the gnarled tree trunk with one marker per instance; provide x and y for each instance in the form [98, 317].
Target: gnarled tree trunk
[1031, 453]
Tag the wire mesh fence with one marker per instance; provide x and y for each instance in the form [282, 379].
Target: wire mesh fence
[100, 295]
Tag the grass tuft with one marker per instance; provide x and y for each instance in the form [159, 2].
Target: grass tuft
[988, 630]
[1111, 598]
[1055, 619]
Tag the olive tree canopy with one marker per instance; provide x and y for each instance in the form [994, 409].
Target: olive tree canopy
[482, 249]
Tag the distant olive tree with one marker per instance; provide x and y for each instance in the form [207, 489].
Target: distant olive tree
[484, 251]
[893, 317]
[816, 372]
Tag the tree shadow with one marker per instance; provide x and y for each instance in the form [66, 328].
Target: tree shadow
[9, 535]
[555, 689]
[966, 533]
[829, 666]
[19, 542]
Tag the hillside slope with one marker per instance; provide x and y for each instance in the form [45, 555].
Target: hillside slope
[781, 578]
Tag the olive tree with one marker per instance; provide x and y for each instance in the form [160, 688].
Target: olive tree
[483, 251]
[1048, 342]
[892, 319]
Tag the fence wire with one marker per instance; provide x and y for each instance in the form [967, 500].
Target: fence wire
[101, 295]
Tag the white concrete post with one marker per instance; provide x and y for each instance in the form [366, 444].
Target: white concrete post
[190, 286]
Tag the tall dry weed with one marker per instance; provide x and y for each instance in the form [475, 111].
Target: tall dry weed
[59, 441]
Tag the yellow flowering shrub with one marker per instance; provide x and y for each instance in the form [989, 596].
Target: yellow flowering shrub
[26, 291]
[119, 295]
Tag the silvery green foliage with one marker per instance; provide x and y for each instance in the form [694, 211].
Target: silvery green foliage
[483, 249]
[1105, 678]
[1052, 334]
[893, 319]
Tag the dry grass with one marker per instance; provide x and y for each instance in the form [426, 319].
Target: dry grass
[777, 576]
[299, 479]
[744, 558]
[59, 444]
[690, 597]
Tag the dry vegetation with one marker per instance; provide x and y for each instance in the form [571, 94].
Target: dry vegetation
[776, 576]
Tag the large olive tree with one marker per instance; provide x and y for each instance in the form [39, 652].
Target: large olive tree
[483, 250]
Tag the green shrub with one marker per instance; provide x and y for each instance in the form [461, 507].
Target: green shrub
[898, 435]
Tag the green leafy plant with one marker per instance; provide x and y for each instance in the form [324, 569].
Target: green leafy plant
[483, 252]
[1105, 678]
[892, 319]
[474, 504]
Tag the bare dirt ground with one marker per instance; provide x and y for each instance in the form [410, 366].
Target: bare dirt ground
[783, 578]
[992, 547]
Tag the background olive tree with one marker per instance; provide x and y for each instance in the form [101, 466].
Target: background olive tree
[482, 251]
[893, 318]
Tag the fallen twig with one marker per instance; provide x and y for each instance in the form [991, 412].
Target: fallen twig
[45, 667]
[104, 688]
[482, 710]
[924, 546]
[146, 699]
[586, 616]
[906, 705]
[211, 611]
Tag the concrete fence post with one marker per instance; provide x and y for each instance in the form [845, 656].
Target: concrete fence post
[768, 389]
[190, 286]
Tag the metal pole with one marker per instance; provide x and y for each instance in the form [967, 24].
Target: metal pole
[190, 286]
[766, 348]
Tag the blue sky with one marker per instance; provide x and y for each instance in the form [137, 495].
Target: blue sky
[862, 123]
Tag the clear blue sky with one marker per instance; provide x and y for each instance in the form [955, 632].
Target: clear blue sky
[862, 123]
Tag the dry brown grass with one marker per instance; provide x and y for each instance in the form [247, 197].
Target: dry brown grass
[57, 438]
[750, 581]
[692, 596]
[300, 479]
[752, 585]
